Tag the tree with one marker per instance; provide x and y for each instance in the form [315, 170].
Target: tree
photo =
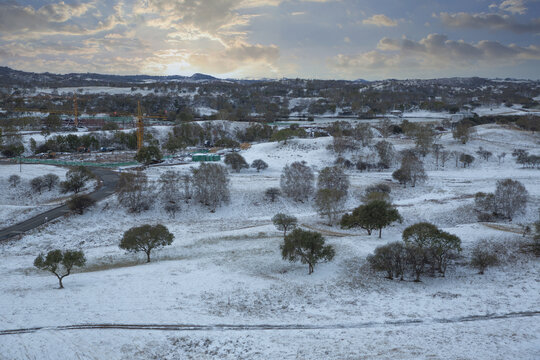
[259, 165]
[50, 181]
[76, 178]
[376, 192]
[424, 138]
[437, 149]
[363, 133]
[411, 170]
[510, 197]
[52, 122]
[391, 258]
[483, 153]
[333, 177]
[145, 238]
[297, 181]
[463, 132]
[483, 256]
[427, 244]
[308, 247]
[329, 202]
[148, 155]
[272, 193]
[14, 180]
[210, 183]
[445, 155]
[466, 159]
[236, 161]
[386, 153]
[134, 192]
[79, 203]
[284, 222]
[37, 184]
[170, 191]
[12, 150]
[60, 263]
[377, 214]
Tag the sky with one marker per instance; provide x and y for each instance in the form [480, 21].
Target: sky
[322, 39]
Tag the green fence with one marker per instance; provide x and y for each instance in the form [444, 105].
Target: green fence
[73, 163]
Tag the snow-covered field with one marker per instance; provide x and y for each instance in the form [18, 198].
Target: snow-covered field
[225, 268]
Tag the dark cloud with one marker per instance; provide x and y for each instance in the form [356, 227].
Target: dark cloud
[489, 21]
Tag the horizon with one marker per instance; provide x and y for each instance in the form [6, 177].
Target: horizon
[276, 79]
[254, 39]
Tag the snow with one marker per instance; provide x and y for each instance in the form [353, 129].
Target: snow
[225, 268]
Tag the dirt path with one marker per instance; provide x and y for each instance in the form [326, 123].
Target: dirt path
[327, 232]
[262, 327]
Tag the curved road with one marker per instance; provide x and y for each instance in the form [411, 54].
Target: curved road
[108, 178]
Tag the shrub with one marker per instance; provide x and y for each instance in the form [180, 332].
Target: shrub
[79, 203]
[236, 161]
[50, 181]
[14, 180]
[76, 179]
[272, 193]
[148, 155]
[483, 256]
[259, 165]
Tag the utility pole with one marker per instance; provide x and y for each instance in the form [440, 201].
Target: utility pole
[140, 127]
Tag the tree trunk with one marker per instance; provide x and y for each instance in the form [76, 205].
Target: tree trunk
[148, 256]
[60, 282]
[380, 232]
[310, 271]
[369, 231]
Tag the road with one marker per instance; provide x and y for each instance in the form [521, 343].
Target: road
[108, 179]
[265, 327]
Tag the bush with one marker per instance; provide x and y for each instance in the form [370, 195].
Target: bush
[483, 256]
[145, 238]
[272, 193]
[14, 180]
[259, 165]
[79, 203]
[308, 247]
[236, 161]
[50, 181]
[37, 184]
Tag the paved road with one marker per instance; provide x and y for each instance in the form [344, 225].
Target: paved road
[108, 178]
[264, 327]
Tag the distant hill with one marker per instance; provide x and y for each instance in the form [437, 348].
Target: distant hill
[10, 77]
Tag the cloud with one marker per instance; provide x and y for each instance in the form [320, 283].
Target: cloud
[435, 51]
[380, 20]
[514, 6]
[235, 57]
[17, 22]
[489, 21]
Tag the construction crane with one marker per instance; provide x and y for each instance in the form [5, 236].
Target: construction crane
[139, 117]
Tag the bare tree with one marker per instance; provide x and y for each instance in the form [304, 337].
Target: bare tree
[386, 153]
[210, 184]
[437, 149]
[411, 170]
[333, 177]
[510, 197]
[134, 192]
[444, 156]
[501, 156]
[385, 127]
[297, 181]
[329, 203]
[170, 191]
[363, 133]
[14, 180]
